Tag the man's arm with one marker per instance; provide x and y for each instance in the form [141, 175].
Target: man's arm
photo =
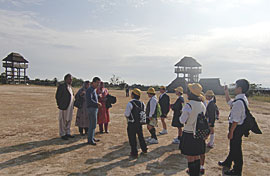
[128, 110]
[153, 105]
[58, 94]
[234, 125]
[89, 97]
[227, 95]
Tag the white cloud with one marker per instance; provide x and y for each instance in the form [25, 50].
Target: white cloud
[123, 51]
[20, 3]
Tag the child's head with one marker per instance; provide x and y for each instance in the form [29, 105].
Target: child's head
[151, 92]
[209, 95]
[136, 94]
[242, 86]
[179, 91]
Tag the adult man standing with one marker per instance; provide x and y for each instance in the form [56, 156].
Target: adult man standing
[65, 100]
[236, 119]
[92, 108]
[164, 102]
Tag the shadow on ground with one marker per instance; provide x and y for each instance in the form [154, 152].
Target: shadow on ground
[173, 164]
[36, 144]
[37, 155]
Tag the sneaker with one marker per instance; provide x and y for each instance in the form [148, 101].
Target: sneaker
[210, 145]
[163, 132]
[148, 139]
[176, 141]
[153, 141]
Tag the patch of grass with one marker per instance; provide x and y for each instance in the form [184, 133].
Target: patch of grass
[263, 98]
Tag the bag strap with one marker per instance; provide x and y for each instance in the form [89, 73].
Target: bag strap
[245, 105]
[133, 103]
[189, 105]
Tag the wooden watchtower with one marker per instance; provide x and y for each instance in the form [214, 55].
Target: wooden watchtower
[15, 68]
[189, 69]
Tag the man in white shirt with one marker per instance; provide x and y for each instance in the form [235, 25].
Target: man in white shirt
[236, 119]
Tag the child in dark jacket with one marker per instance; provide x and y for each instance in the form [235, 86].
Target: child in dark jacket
[177, 111]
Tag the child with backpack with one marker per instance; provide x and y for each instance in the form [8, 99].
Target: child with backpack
[132, 113]
[191, 146]
[152, 114]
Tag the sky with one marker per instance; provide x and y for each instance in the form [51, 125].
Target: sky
[139, 41]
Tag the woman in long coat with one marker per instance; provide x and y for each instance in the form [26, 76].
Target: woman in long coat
[82, 120]
[103, 111]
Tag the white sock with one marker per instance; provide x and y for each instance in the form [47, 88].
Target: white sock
[202, 167]
[212, 137]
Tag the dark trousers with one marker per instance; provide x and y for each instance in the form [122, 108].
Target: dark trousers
[101, 127]
[132, 130]
[235, 154]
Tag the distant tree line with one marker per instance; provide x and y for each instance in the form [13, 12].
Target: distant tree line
[117, 83]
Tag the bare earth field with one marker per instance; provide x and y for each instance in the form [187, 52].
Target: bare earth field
[30, 145]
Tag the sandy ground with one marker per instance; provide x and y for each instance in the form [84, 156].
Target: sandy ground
[30, 145]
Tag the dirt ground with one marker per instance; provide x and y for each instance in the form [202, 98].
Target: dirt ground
[30, 145]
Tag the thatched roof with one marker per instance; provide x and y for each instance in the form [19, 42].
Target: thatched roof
[188, 62]
[212, 84]
[15, 57]
[176, 83]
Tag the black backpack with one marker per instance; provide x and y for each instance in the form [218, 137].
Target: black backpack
[250, 123]
[140, 110]
[202, 127]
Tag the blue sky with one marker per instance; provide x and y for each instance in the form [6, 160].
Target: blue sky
[138, 40]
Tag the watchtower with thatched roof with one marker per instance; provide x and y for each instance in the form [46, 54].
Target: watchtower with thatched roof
[189, 68]
[15, 68]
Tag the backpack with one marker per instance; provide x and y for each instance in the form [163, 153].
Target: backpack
[249, 123]
[142, 114]
[159, 113]
[202, 127]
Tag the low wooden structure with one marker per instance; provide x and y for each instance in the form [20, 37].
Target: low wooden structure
[15, 68]
[212, 84]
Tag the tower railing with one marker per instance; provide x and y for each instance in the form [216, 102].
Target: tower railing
[188, 70]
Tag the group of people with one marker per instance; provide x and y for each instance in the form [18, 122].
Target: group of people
[185, 119]
[95, 111]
